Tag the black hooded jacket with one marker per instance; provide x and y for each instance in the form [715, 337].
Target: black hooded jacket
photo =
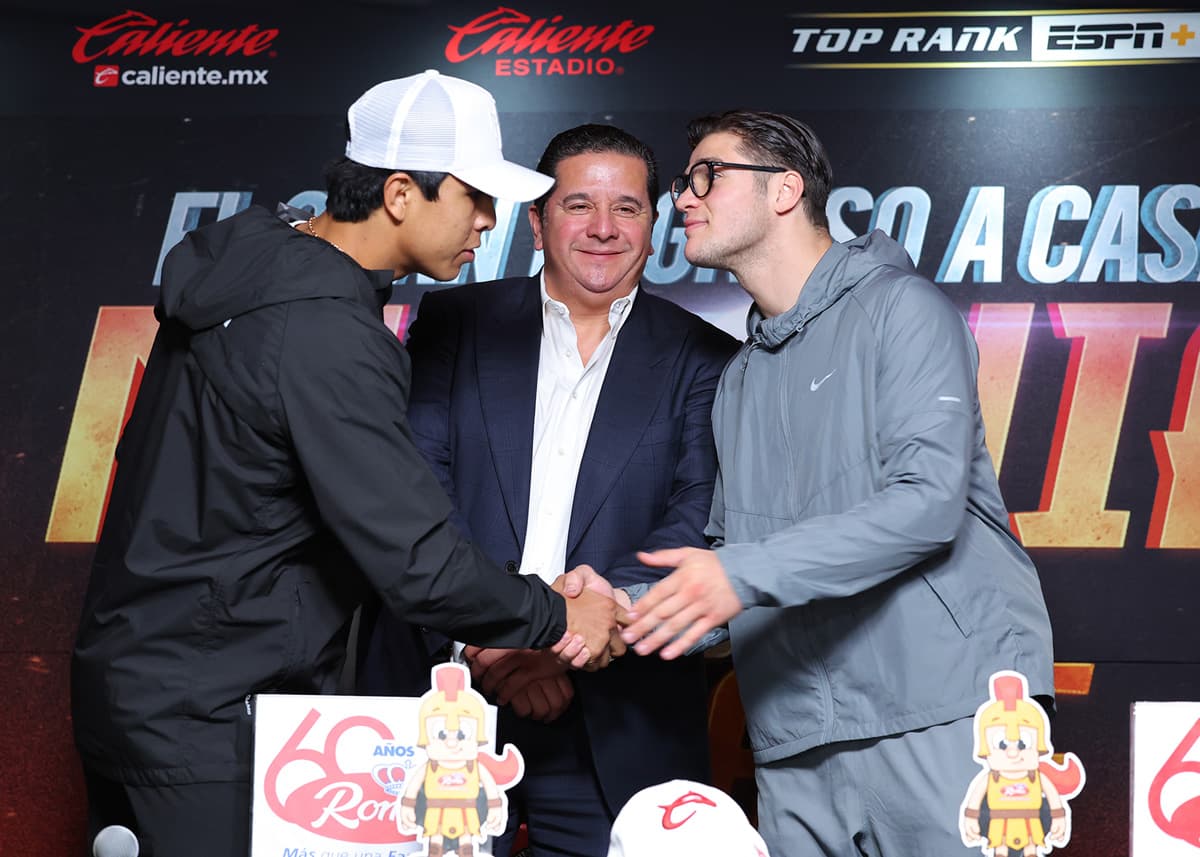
[267, 482]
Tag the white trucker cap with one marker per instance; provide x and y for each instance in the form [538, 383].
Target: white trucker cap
[685, 818]
[436, 123]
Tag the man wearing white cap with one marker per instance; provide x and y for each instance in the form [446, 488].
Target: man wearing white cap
[268, 480]
[443, 133]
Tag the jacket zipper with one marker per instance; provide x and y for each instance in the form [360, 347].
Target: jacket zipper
[825, 686]
[752, 344]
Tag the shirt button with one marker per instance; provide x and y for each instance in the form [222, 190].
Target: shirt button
[511, 566]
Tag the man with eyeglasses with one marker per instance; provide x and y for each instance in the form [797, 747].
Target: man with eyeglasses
[863, 561]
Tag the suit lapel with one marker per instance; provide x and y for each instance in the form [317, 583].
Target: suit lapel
[509, 333]
[635, 382]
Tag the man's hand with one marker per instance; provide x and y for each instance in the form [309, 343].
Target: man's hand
[544, 699]
[591, 620]
[534, 683]
[684, 606]
[585, 578]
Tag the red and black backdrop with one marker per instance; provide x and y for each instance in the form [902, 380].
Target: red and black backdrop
[1038, 165]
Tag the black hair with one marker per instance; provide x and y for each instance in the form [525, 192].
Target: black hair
[777, 141]
[596, 139]
[354, 190]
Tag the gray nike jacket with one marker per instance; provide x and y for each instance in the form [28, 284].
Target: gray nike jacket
[859, 516]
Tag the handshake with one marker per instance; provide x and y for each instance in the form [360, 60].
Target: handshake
[672, 616]
[595, 614]
[534, 682]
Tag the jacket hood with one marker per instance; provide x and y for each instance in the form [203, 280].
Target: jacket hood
[841, 268]
[251, 260]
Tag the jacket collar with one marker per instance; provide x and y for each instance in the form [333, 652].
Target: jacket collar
[842, 267]
[822, 289]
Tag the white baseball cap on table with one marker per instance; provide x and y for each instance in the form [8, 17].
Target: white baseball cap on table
[684, 818]
[436, 123]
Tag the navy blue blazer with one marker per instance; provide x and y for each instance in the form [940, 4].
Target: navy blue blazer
[645, 482]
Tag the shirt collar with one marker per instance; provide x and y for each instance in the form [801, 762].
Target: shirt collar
[618, 311]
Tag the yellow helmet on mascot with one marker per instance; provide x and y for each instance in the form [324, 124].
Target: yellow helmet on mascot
[1011, 709]
[451, 699]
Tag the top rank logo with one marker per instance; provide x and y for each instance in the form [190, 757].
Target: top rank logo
[588, 49]
[993, 39]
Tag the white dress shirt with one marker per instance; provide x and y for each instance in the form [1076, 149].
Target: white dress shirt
[567, 393]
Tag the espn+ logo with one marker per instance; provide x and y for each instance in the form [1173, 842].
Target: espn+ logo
[1070, 37]
[1125, 38]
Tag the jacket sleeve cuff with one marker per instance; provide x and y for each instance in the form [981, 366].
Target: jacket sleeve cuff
[558, 621]
[636, 591]
[745, 566]
[714, 637]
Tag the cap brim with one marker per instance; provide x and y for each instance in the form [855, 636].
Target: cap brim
[506, 180]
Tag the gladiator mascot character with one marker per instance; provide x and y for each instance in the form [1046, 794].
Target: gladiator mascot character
[459, 783]
[1017, 804]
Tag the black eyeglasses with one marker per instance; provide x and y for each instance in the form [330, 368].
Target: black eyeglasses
[700, 177]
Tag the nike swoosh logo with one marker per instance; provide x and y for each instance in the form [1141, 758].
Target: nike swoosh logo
[816, 385]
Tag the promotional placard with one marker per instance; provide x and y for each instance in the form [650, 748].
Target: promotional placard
[355, 776]
[1165, 763]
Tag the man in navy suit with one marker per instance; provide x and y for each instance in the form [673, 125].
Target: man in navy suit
[568, 418]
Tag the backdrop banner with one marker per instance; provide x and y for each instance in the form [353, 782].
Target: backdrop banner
[1037, 165]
